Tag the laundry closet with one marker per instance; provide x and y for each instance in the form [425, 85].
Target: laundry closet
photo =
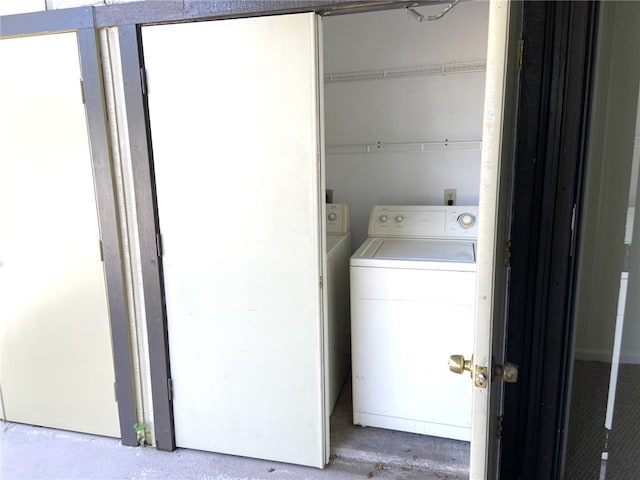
[403, 106]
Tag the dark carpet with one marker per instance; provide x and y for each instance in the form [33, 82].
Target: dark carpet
[587, 436]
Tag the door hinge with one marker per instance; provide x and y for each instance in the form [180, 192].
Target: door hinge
[321, 281]
[143, 81]
[520, 53]
[101, 250]
[507, 253]
[499, 427]
[159, 244]
[170, 389]
[82, 91]
[115, 391]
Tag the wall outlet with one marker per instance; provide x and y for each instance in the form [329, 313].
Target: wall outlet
[450, 196]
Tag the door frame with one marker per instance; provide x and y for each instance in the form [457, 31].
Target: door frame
[130, 18]
[81, 21]
[551, 148]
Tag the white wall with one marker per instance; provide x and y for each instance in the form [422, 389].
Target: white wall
[612, 179]
[10, 7]
[432, 108]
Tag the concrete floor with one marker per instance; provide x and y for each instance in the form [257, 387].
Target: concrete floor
[28, 452]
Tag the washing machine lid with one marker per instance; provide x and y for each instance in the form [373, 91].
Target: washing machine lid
[425, 251]
[433, 254]
[334, 240]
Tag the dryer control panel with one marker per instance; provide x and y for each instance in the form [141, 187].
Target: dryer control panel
[424, 221]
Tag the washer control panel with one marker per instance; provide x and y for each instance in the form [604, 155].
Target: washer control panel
[424, 221]
[337, 218]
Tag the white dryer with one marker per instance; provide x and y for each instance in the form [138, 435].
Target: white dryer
[413, 284]
[337, 285]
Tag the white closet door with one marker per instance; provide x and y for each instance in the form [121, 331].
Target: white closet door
[56, 363]
[234, 116]
[501, 95]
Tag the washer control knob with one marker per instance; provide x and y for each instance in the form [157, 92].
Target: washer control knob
[332, 216]
[383, 218]
[399, 218]
[466, 220]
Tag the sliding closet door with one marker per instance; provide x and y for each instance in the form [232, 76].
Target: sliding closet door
[234, 116]
[56, 361]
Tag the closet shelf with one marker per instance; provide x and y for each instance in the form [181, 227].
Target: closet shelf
[402, 72]
[414, 147]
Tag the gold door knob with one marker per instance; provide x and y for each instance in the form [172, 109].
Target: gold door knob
[508, 372]
[457, 364]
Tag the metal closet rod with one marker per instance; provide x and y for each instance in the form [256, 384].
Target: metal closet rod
[363, 6]
[403, 72]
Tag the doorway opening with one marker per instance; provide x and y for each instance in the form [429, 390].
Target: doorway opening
[403, 107]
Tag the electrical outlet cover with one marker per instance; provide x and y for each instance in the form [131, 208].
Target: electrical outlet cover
[450, 196]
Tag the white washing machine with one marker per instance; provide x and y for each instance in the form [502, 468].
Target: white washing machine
[413, 285]
[337, 284]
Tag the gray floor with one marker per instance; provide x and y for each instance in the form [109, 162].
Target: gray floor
[28, 452]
